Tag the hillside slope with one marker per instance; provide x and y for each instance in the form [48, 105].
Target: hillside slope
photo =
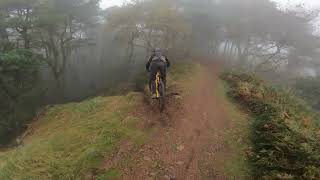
[124, 137]
[284, 132]
[70, 140]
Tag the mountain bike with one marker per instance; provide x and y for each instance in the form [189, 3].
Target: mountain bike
[160, 91]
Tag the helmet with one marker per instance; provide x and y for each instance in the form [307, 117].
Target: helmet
[156, 50]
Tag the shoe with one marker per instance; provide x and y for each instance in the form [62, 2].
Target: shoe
[154, 96]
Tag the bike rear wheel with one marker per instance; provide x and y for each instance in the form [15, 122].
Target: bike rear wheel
[162, 96]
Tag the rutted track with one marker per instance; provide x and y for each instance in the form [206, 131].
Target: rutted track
[191, 143]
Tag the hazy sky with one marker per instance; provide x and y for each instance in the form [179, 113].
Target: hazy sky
[108, 3]
[309, 3]
[312, 4]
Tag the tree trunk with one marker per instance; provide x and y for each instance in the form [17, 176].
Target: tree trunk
[57, 51]
[130, 50]
[216, 46]
[131, 53]
[26, 38]
[231, 50]
[242, 53]
[4, 38]
[226, 44]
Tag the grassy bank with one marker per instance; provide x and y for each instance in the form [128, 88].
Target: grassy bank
[72, 141]
[284, 132]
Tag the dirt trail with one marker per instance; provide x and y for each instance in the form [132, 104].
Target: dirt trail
[192, 145]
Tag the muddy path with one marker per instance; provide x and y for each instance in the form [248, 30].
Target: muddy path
[191, 143]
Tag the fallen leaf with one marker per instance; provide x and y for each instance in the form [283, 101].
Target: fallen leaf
[180, 148]
[146, 158]
[180, 163]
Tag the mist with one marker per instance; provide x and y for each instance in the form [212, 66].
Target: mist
[159, 89]
[66, 51]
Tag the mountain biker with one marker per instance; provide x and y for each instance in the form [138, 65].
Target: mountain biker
[157, 62]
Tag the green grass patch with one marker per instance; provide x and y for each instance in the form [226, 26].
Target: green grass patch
[181, 74]
[112, 174]
[72, 139]
[284, 133]
[179, 71]
[237, 137]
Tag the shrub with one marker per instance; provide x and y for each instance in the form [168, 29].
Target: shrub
[309, 90]
[284, 132]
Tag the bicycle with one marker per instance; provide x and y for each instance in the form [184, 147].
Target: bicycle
[160, 91]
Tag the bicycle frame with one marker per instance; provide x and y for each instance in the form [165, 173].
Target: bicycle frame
[160, 95]
[158, 76]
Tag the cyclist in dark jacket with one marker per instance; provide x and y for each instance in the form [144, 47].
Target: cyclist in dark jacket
[156, 62]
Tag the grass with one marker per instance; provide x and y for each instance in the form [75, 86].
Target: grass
[110, 174]
[180, 76]
[237, 137]
[180, 70]
[71, 140]
[283, 133]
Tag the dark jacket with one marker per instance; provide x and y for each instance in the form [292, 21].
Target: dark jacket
[152, 58]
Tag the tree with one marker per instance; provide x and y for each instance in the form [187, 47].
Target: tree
[32, 31]
[19, 18]
[150, 24]
[61, 26]
[264, 35]
[18, 76]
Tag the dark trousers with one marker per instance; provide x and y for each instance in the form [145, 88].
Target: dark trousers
[156, 66]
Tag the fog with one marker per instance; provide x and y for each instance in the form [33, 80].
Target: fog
[310, 4]
[66, 51]
[104, 4]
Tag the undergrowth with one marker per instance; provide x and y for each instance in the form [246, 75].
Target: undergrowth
[309, 89]
[285, 135]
